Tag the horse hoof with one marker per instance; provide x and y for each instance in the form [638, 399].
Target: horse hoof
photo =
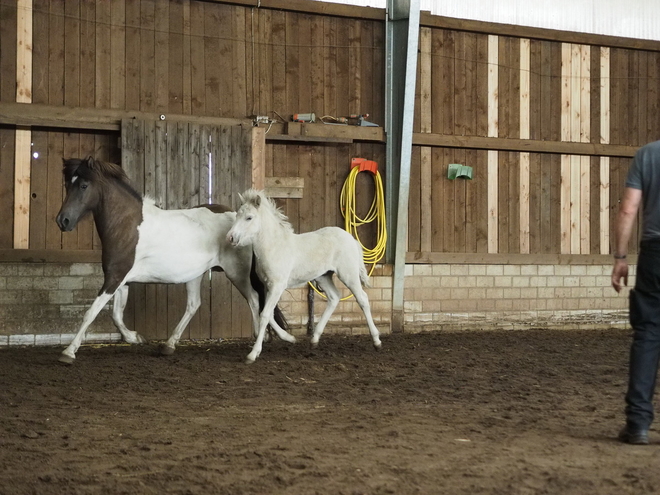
[141, 340]
[166, 350]
[249, 361]
[378, 346]
[66, 359]
[314, 345]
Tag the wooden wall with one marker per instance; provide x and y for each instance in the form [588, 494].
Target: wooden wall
[217, 59]
[472, 84]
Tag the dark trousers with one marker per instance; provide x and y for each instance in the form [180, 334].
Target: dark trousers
[645, 348]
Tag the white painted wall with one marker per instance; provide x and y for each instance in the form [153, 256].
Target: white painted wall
[627, 18]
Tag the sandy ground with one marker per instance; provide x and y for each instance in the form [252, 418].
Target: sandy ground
[511, 412]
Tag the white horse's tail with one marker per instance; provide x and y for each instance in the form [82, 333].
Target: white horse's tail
[364, 276]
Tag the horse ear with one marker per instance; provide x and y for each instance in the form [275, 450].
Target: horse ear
[90, 161]
[257, 201]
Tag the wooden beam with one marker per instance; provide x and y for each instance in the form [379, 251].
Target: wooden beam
[48, 256]
[284, 187]
[511, 259]
[499, 29]
[22, 151]
[22, 114]
[523, 145]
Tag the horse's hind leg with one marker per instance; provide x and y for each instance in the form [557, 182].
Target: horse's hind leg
[332, 293]
[118, 306]
[362, 299]
[69, 354]
[192, 305]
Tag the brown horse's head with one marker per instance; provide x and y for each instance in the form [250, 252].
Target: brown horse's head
[84, 181]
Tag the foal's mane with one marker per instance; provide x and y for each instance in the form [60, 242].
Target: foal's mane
[259, 200]
[97, 171]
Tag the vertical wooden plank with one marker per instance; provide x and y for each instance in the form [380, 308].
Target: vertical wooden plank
[176, 61]
[275, 72]
[161, 56]
[186, 59]
[197, 58]
[239, 37]
[493, 131]
[258, 157]
[23, 137]
[585, 161]
[22, 151]
[117, 54]
[604, 161]
[224, 82]
[8, 66]
[132, 94]
[264, 70]
[7, 143]
[212, 69]
[524, 134]
[426, 121]
[103, 50]
[147, 69]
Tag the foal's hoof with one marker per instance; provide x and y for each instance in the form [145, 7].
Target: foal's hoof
[249, 361]
[314, 345]
[66, 359]
[378, 346]
[166, 350]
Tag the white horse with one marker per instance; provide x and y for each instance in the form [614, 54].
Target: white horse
[286, 259]
[142, 243]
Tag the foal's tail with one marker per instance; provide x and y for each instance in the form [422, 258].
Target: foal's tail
[258, 285]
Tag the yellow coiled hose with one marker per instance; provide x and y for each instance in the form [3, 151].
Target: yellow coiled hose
[352, 220]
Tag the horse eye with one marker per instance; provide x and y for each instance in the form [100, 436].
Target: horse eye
[248, 218]
[83, 186]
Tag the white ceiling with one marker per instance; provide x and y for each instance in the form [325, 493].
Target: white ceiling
[627, 18]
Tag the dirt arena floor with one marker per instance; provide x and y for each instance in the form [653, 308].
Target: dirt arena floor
[511, 412]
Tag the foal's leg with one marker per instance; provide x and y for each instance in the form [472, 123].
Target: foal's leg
[355, 286]
[69, 354]
[242, 283]
[332, 293]
[118, 306]
[272, 298]
[192, 305]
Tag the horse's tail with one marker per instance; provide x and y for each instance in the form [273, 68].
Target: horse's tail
[364, 276]
[258, 285]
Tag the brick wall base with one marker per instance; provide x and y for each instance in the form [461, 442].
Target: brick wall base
[45, 303]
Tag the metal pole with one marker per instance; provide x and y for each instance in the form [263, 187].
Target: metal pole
[401, 72]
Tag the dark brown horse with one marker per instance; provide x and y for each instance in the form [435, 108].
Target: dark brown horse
[143, 243]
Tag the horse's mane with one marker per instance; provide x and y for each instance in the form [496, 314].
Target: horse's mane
[96, 170]
[258, 199]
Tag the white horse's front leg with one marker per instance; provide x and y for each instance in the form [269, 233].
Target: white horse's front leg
[69, 354]
[272, 298]
[118, 306]
[192, 305]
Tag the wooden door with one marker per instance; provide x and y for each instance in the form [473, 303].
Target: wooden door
[182, 165]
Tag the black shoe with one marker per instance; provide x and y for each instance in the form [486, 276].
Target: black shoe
[634, 437]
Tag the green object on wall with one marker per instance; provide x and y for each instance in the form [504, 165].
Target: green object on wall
[457, 171]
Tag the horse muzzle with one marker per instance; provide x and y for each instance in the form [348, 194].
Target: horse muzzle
[232, 239]
[64, 223]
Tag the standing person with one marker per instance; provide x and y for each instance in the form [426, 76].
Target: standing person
[642, 188]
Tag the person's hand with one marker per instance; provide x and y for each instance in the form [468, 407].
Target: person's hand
[620, 271]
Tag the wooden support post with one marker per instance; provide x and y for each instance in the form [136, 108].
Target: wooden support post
[22, 152]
